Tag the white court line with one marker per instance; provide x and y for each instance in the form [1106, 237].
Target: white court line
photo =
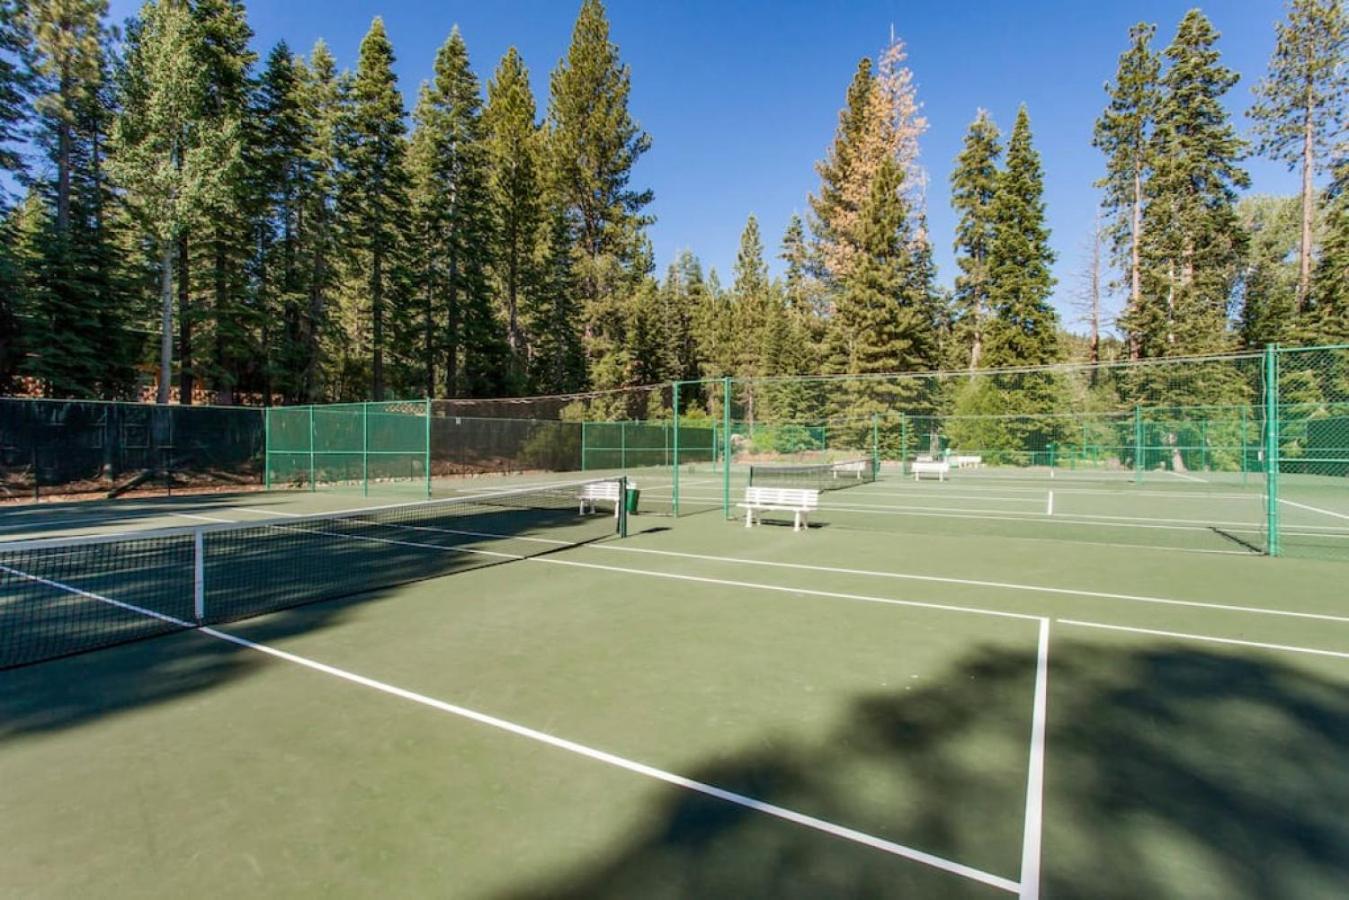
[1206, 638]
[1315, 509]
[872, 573]
[1035, 778]
[760, 806]
[1186, 476]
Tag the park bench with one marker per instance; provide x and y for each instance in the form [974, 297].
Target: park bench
[600, 492]
[919, 468]
[798, 501]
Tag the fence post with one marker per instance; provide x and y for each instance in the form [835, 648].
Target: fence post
[875, 446]
[1244, 465]
[623, 445]
[365, 449]
[267, 448]
[1272, 448]
[428, 447]
[726, 447]
[675, 488]
[1138, 443]
[313, 469]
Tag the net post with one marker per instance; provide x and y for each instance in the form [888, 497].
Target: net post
[1138, 443]
[313, 469]
[622, 506]
[365, 448]
[1272, 449]
[267, 448]
[674, 400]
[726, 447]
[875, 446]
[427, 456]
[198, 575]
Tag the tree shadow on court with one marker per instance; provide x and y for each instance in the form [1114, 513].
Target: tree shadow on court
[32, 520]
[1170, 772]
[267, 583]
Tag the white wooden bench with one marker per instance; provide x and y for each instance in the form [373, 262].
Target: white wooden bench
[919, 468]
[600, 492]
[966, 462]
[857, 468]
[798, 501]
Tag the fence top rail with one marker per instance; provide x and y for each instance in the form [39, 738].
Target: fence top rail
[137, 404]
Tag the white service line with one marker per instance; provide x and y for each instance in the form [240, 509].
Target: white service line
[1186, 476]
[1206, 638]
[1315, 509]
[1035, 777]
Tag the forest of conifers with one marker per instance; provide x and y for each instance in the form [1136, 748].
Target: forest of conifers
[184, 218]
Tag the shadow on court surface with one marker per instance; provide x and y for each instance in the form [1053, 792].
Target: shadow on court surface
[1170, 773]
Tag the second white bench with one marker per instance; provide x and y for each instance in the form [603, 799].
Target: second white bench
[920, 468]
[600, 492]
[800, 502]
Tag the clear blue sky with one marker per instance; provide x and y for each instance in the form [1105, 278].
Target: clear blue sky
[741, 98]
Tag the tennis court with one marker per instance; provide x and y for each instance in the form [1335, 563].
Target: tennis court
[505, 697]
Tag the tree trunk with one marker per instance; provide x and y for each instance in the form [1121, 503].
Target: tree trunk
[165, 321]
[1136, 260]
[226, 379]
[377, 314]
[186, 382]
[1304, 272]
[452, 324]
[63, 176]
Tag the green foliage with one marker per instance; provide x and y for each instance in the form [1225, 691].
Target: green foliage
[1330, 295]
[1268, 282]
[974, 185]
[373, 184]
[1303, 95]
[1024, 327]
[1193, 243]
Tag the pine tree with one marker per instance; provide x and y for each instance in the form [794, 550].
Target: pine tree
[750, 311]
[974, 185]
[845, 173]
[169, 165]
[453, 199]
[1330, 287]
[1193, 243]
[373, 193]
[512, 138]
[1024, 327]
[14, 89]
[1123, 134]
[1268, 281]
[280, 173]
[552, 316]
[593, 145]
[321, 114]
[1299, 109]
[223, 241]
[880, 324]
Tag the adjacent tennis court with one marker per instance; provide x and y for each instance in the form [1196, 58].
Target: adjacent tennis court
[498, 694]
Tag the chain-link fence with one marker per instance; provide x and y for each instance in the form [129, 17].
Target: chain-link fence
[74, 448]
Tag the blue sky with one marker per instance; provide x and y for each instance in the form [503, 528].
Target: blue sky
[741, 98]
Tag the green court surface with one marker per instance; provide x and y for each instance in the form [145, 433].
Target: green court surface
[937, 690]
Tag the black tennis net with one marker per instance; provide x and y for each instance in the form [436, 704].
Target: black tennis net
[819, 476]
[64, 596]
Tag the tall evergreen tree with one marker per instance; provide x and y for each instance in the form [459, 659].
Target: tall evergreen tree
[170, 164]
[223, 241]
[1123, 134]
[1300, 105]
[280, 174]
[512, 138]
[552, 316]
[880, 324]
[1331, 285]
[452, 195]
[974, 185]
[593, 144]
[1024, 330]
[1193, 243]
[373, 195]
[1268, 282]
[322, 98]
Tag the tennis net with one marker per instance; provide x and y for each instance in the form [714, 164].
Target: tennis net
[820, 476]
[65, 596]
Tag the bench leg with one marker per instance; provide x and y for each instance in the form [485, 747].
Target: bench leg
[749, 518]
[796, 521]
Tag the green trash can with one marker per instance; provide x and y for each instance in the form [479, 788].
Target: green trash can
[633, 495]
